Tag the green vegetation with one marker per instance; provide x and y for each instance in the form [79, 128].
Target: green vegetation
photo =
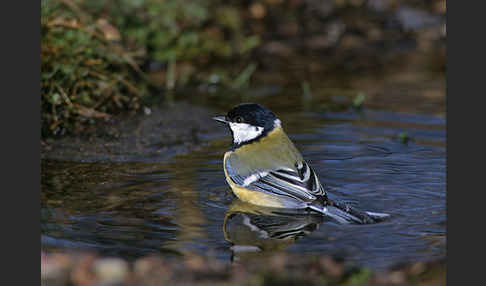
[404, 137]
[359, 99]
[359, 278]
[98, 56]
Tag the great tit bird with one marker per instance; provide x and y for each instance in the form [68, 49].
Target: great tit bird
[263, 167]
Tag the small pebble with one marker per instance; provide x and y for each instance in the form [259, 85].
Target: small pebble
[111, 270]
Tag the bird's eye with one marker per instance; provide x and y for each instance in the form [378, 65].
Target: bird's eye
[239, 119]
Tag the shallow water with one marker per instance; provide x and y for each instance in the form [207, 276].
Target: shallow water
[184, 205]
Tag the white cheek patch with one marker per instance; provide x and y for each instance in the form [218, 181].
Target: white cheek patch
[243, 132]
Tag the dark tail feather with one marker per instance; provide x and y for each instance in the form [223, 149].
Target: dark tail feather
[346, 214]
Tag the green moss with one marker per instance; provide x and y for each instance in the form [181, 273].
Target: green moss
[359, 278]
[359, 99]
[94, 54]
[404, 137]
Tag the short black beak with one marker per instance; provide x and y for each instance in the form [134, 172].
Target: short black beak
[221, 118]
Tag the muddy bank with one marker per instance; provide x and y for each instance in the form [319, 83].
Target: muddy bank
[160, 132]
[90, 269]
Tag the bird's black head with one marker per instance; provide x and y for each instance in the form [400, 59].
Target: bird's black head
[253, 114]
[249, 122]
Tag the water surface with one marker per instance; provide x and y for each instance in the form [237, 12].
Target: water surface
[183, 205]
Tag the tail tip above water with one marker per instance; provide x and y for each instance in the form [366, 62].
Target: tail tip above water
[348, 215]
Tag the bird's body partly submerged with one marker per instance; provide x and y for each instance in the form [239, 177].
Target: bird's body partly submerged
[265, 168]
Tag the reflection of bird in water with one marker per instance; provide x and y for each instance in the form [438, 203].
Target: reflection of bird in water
[253, 229]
